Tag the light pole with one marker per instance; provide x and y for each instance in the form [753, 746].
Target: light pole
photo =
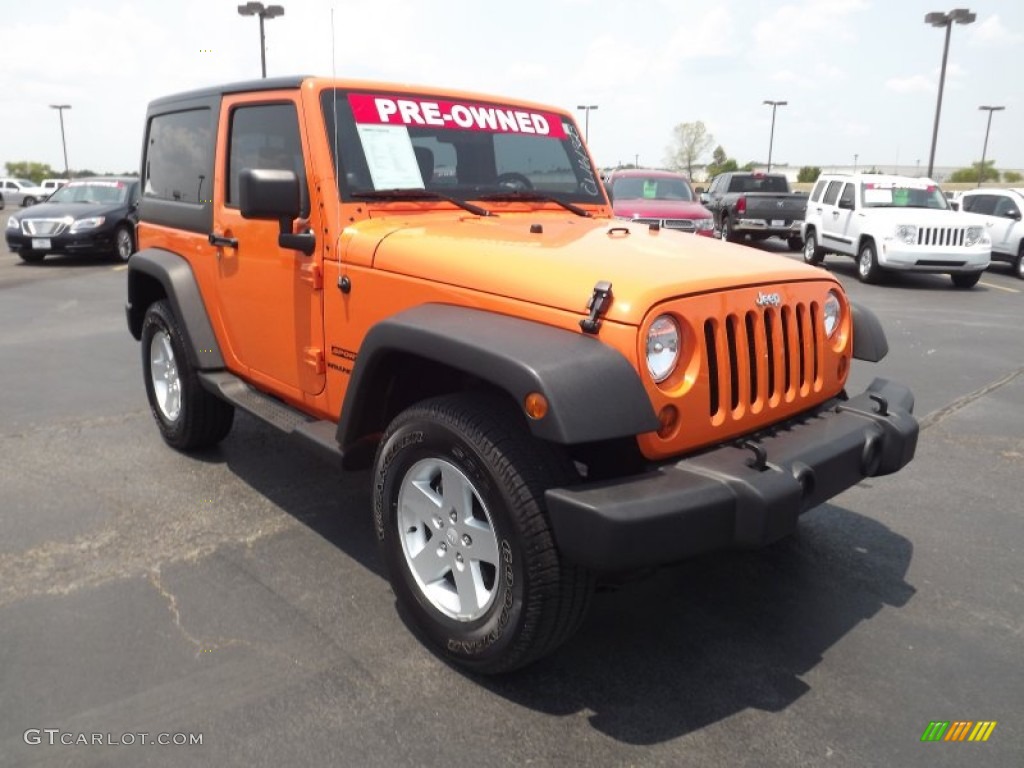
[264, 12]
[984, 149]
[939, 19]
[60, 110]
[586, 120]
[771, 137]
[855, 162]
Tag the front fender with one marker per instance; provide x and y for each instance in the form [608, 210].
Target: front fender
[593, 391]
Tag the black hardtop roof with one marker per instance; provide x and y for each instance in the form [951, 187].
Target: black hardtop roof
[243, 86]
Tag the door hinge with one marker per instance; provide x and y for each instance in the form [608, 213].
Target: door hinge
[312, 274]
[314, 358]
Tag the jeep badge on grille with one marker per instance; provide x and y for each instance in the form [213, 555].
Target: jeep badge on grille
[768, 300]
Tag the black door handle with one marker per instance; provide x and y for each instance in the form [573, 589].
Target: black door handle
[223, 242]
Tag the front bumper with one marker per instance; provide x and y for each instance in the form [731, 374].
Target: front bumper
[736, 496]
[93, 241]
[897, 256]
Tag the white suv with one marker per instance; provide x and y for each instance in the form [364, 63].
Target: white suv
[894, 223]
[1001, 210]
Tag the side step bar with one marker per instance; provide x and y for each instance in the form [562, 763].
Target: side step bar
[320, 433]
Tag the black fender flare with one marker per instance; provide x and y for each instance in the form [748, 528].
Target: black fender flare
[869, 342]
[174, 275]
[593, 391]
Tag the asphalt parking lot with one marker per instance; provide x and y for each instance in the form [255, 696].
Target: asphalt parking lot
[237, 596]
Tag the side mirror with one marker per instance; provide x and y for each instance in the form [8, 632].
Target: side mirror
[272, 194]
[846, 205]
[954, 204]
[1014, 214]
[705, 198]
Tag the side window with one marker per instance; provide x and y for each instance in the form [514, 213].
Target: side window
[983, 204]
[179, 157]
[265, 136]
[818, 188]
[847, 197]
[1005, 207]
[832, 192]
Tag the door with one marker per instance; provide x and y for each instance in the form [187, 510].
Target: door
[270, 298]
[834, 219]
[1006, 228]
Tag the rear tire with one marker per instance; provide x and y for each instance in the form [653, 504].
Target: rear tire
[867, 263]
[460, 519]
[965, 279]
[726, 232]
[188, 416]
[813, 253]
[1018, 263]
[27, 202]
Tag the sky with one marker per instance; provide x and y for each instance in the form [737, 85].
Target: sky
[860, 76]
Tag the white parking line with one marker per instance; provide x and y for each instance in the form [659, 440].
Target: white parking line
[120, 268]
[1000, 287]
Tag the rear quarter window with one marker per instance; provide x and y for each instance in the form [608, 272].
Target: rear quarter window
[179, 157]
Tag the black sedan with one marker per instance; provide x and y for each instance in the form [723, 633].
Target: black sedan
[94, 215]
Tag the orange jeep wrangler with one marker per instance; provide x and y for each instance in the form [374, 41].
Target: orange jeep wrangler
[432, 284]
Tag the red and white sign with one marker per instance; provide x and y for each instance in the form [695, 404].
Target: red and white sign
[369, 109]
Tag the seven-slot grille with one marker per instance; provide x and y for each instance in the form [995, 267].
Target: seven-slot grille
[950, 236]
[686, 225]
[762, 358]
[43, 227]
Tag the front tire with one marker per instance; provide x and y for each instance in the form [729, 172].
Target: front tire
[965, 279]
[459, 514]
[813, 253]
[187, 415]
[28, 201]
[867, 263]
[124, 243]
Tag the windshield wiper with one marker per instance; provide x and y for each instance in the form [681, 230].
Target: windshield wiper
[418, 194]
[538, 197]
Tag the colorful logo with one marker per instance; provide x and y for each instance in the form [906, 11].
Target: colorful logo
[958, 730]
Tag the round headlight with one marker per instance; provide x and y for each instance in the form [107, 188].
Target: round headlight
[662, 347]
[833, 313]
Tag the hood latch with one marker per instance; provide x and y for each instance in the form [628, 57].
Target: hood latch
[597, 306]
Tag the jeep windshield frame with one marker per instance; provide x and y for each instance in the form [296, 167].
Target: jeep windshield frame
[458, 148]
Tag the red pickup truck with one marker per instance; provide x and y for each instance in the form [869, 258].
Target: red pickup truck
[658, 197]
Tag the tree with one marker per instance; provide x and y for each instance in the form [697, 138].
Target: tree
[25, 169]
[720, 163]
[1012, 177]
[689, 142]
[963, 175]
[808, 173]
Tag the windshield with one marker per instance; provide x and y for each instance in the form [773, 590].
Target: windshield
[892, 194]
[91, 192]
[654, 188]
[461, 149]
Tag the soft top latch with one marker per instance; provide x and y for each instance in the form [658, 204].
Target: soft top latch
[597, 306]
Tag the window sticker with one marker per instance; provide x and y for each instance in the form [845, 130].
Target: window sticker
[650, 189]
[370, 109]
[390, 157]
[877, 196]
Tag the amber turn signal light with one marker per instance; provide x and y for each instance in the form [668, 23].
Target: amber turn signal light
[536, 406]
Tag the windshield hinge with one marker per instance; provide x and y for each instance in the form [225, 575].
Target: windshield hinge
[597, 306]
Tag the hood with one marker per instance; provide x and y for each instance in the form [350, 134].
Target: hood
[74, 210]
[660, 209]
[559, 266]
